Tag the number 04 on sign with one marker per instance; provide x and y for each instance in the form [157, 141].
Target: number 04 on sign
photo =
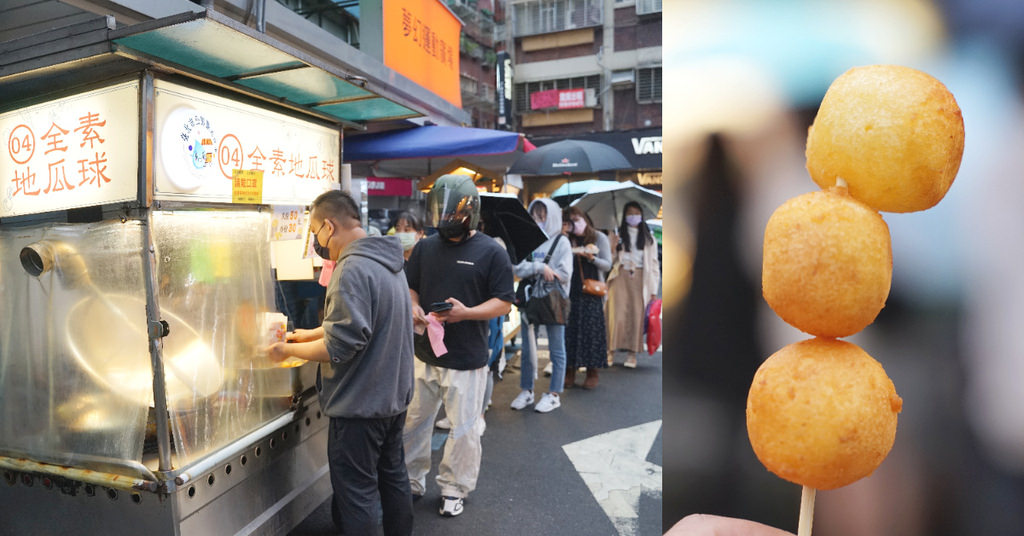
[247, 186]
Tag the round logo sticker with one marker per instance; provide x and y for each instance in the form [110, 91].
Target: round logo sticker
[189, 147]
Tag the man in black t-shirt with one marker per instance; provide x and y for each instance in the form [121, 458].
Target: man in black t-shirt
[473, 274]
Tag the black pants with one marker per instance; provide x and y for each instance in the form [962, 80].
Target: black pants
[368, 468]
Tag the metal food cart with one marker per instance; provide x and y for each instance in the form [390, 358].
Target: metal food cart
[136, 276]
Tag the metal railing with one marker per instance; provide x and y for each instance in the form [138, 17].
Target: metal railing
[548, 16]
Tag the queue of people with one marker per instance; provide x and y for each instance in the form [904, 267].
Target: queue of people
[409, 328]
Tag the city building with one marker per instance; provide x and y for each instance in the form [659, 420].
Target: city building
[588, 69]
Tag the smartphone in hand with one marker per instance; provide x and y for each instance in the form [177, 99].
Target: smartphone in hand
[440, 307]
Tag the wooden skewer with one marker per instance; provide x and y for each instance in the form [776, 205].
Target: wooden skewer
[806, 512]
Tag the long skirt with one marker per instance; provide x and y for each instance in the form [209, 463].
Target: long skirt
[585, 343]
[626, 311]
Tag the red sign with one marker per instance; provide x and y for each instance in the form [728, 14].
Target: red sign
[388, 186]
[563, 99]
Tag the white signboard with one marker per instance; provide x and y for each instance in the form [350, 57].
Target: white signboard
[201, 139]
[73, 152]
[289, 223]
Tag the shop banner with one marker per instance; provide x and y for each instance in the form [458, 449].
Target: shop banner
[202, 141]
[642, 147]
[421, 41]
[562, 99]
[378, 186]
[504, 84]
[73, 152]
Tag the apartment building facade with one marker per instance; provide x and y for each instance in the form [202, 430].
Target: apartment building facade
[589, 69]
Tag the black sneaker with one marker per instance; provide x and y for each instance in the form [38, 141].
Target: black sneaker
[451, 506]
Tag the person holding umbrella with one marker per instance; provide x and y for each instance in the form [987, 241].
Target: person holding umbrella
[585, 342]
[632, 283]
[556, 270]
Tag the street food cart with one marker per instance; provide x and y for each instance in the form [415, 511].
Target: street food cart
[135, 270]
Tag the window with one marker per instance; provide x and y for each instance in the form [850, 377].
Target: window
[523, 91]
[646, 7]
[547, 16]
[648, 84]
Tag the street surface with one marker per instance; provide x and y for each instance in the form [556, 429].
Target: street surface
[590, 467]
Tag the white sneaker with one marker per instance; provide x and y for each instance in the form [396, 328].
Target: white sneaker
[630, 362]
[547, 369]
[443, 424]
[524, 399]
[548, 402]
[451, 506]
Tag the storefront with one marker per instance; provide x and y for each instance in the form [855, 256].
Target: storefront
[149, 174]
[641, 147]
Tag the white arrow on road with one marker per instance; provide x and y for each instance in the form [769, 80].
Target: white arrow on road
[614, 467]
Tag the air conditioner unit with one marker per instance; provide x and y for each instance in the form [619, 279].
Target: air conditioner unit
[623, 78]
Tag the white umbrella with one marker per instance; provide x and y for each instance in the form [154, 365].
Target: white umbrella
[605, 204]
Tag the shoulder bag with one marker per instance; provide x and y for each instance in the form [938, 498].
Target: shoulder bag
[545, 303]
[594, 287]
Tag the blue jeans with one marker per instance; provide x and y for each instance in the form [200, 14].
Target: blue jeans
[556, 346]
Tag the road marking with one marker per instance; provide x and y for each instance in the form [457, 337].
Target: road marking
[614, 467]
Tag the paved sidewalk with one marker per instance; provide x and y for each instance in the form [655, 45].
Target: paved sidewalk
[591, 467]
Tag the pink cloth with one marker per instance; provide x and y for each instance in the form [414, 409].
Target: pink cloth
[435, 332]
[325, 273]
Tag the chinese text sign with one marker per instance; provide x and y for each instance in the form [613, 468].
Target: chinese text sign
[203, 140]
[421, 41]
[73, 152]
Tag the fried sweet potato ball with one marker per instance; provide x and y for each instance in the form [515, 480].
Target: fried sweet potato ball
[895, 134]
[822, 413]
[827, 263]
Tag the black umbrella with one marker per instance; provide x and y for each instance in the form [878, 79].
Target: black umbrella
[569, 156]
[505, 217]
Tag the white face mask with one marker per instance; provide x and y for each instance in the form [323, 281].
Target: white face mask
[408, 239]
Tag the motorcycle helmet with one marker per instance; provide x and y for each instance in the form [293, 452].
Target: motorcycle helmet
[453, 207]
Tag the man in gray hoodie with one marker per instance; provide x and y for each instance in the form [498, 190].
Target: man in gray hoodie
[365, 379]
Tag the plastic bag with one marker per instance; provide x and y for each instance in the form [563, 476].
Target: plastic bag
[652, 325]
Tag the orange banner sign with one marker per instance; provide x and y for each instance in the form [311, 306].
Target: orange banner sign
[421, 41]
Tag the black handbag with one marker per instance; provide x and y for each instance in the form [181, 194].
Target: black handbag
[544, 301]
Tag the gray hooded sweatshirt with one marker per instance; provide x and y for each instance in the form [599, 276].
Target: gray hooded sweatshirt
[561, 257]
[368, 333]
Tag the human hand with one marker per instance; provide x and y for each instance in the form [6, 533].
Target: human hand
[708, 525]
[301, 335]
[457, 313]
[419, 318]
[278, 352]
[549, 274]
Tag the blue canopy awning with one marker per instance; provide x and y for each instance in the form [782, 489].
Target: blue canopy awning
[423, 151]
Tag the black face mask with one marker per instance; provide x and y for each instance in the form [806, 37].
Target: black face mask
[323, 251]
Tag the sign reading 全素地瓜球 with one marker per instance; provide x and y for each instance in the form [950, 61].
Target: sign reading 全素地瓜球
[200, 140]
[73, 152]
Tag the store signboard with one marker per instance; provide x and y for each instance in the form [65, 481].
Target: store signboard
[202, 141]
[562, 99]
[73, 152]
[378, 186]
[421, 41]
[504, 85]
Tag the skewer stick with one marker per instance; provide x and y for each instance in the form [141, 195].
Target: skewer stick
[806, 512]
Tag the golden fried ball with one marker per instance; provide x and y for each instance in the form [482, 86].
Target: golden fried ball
[895, 134]
[827, 263]
[822, 413]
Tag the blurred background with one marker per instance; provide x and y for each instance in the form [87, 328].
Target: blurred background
[743, 79]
